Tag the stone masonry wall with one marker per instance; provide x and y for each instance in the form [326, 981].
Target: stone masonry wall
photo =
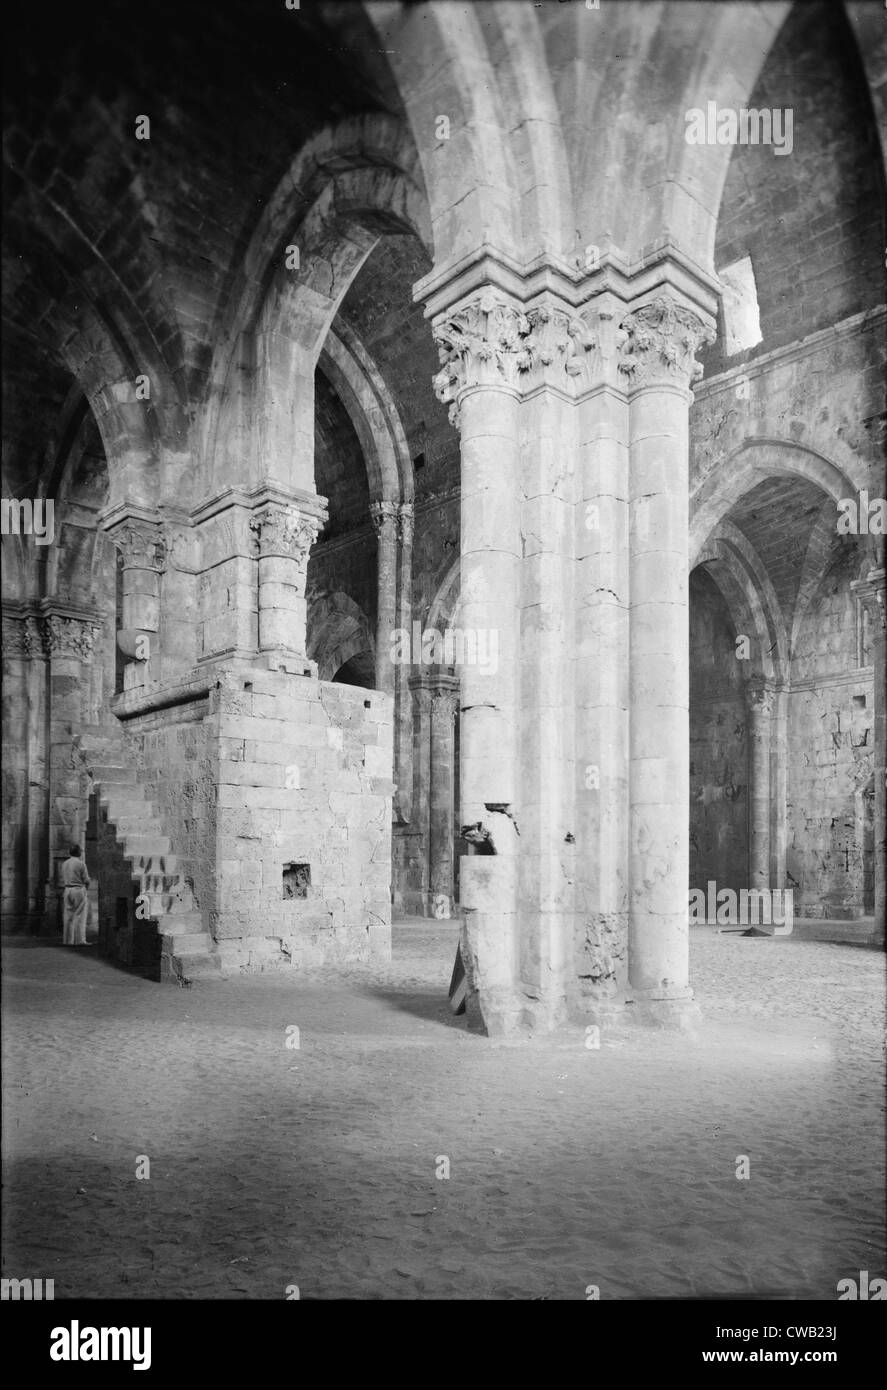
[718, 745]
[830, 761]
[304, 779]
[177, 763]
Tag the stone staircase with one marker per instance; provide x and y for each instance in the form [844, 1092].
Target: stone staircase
[187, 951]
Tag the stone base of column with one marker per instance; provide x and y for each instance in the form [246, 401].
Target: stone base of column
[50, 923]
[289, 662]
[673, 1009]
[29, 923]
[487, 943]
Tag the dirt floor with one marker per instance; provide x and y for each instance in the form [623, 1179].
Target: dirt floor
[568, 1166]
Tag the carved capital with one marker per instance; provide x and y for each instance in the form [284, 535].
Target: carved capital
[70, 637]
[284, 532]
[555, 347]
[141, 544]
[761, 696]
[661, 342]
[384, 518]
[479, 345]
[493, 342]
[444, 703]
[15, 636]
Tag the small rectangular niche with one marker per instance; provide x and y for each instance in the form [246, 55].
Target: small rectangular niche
[859, 702]
[742, 319]
[296, 880]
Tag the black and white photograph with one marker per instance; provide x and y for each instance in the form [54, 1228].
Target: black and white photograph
[434, 431]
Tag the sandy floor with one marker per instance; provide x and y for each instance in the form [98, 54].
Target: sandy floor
[568, 1167]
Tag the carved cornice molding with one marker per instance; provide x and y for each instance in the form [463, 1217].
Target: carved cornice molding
[661, 342]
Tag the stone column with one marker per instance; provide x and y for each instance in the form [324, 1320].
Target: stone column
[480, 344]
[254, 549]
[778, 785]
[444, 700]
[403, 705]
[553, 362]
[138, 537]
[662, 336]
[69, 639]
[25, 788]
[602, 685]
[760, 698]
[284, 535]
[871, 594]
[419, 854]
[384, 518]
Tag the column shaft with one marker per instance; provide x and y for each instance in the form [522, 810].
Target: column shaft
[384, 518]
[760, 712]
[602, 661]
[658, 358]
[440, 838]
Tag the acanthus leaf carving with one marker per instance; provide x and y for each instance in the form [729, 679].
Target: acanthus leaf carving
[490, 342]
[661, 341]
[285, 532]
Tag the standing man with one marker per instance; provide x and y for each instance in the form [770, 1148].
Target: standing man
[75, 882]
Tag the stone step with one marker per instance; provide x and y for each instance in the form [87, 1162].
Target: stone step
[186, 921]
[105, 773]
[151, 869]
[199, 963]
[125, 805]
[130, 822]
[146, 846]
[191, 944]
[156, 882]
[105, 754]
[185, 970]
[165, 902]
